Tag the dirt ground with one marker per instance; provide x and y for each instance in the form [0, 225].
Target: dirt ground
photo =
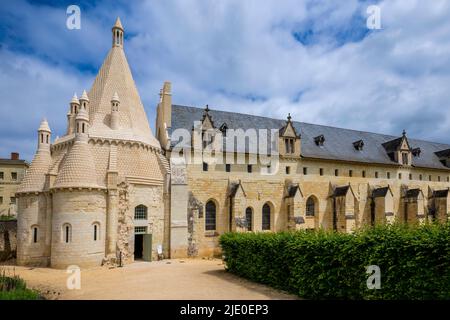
[167, 279]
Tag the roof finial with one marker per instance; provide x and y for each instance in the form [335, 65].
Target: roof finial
[84, 96]
[289, 117]
[117, 34]
[404, 132]
[75, 99]
[118, 24]
[115, 97]
[207, 108]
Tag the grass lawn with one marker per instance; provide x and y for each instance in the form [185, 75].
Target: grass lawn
[15, 288]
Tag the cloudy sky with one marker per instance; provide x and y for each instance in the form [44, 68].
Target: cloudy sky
[314, 59]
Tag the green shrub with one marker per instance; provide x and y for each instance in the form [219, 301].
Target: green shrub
[414, 261]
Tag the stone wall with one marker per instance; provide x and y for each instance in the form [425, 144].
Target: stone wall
[353, 210]
[8, 239]
[81, 210]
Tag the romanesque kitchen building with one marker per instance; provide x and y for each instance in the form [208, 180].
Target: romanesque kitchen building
[110, 190]
[96, 193]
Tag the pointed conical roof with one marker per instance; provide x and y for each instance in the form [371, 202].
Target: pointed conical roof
[118, 24]
[115, 97]
[84, 96]
[115, 76]
[44, 126]
[34, 179]
[75, 99]
[78, 168]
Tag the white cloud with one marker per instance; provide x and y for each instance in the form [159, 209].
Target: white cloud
[223, 53]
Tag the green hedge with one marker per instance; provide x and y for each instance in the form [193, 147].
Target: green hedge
[414, 261]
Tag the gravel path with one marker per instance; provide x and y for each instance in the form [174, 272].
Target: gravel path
[167, 279]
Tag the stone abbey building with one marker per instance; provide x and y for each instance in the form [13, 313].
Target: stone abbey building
[108, 189]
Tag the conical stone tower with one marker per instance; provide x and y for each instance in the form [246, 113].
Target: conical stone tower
[87, 186]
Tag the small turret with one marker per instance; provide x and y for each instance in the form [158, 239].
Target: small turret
[84, 101]
[44, 135]
[115, 103]
[73, 110]
[117, 34]
[82, 124]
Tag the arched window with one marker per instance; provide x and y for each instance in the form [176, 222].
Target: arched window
[82, 128]
[266, 217]
[310, 207]
[96, 229]
[66, 233]
[140, 212]
[35, 234]
[249, 218]
[42, 138]
[210, 218]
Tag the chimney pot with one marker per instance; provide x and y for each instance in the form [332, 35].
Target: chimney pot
[14, 156]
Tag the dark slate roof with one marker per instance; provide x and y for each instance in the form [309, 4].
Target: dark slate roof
[412, 193]
[380, 192]
[443, 153]
[13, 162]
[341, 191]
[393, 145]
[440, 193]
[338, 143]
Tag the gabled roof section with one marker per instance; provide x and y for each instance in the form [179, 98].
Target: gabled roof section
[292, 190]
[413, 193]
[234, 188]
[440, 193]
[443, 153]
[396, 144]
[207, 121]
[341, 191]
[339, 141]
[288, 129]
[381, 192]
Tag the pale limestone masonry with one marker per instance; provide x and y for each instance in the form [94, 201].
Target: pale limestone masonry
[77, 201]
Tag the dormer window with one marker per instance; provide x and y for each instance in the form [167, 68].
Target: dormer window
[416, 152]
[289, 145]
[319, 140]
[358, 145]
[405, 158]
[399, 150]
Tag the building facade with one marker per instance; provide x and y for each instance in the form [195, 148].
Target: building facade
[12, 171]
[110, 190]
